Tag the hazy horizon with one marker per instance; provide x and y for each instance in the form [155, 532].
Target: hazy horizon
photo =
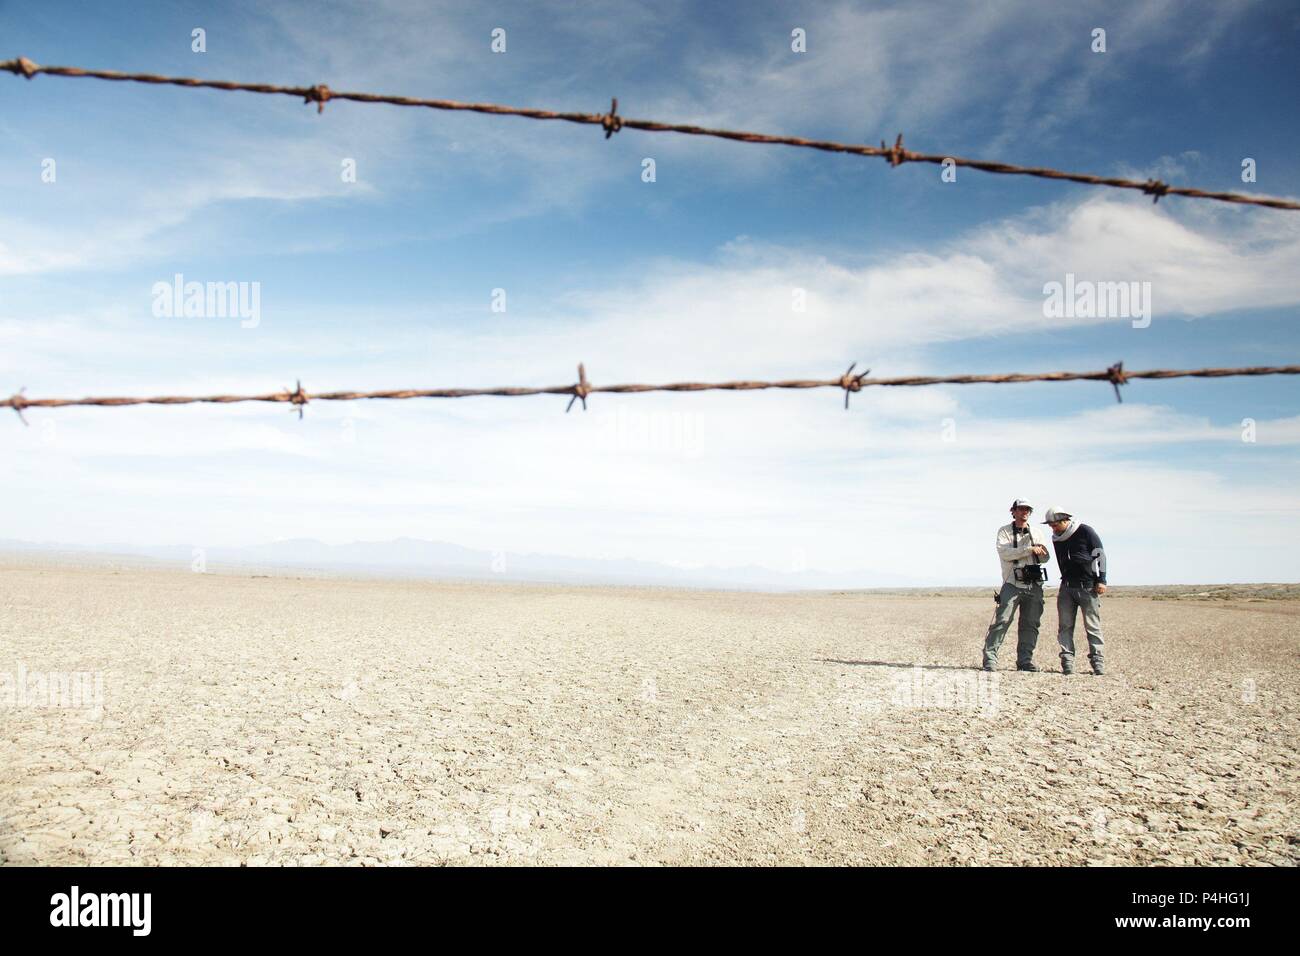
[359, 558]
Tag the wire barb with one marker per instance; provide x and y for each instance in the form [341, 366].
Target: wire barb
[22, 65]
[18, 403]
[1117, 378]
[319, 94]
[895, 154]
[611, 122]
[298, 397]
[581, 390]
[1155, 189]
[852, 383]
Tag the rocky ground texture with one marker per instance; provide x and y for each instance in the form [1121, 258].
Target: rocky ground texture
[281, 720]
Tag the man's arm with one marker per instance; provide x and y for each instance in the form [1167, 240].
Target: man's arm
[1098, 559]
[1009, 552]
[1047, 548]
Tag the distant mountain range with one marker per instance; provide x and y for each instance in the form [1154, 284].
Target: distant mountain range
[413, 557]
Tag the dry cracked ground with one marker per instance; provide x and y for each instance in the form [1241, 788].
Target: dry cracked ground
[299, 720]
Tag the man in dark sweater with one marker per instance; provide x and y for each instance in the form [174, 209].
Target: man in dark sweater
[1082, 564]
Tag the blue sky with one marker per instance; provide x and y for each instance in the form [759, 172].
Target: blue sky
[387, 282]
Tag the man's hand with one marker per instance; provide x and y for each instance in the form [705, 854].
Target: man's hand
[1040, 551]
[1099, 590]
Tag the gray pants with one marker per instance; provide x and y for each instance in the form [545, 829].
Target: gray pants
[1030, 602]
[1068, 601]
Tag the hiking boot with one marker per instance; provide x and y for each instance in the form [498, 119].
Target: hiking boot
[1067, 667]
[1098, 668]
[1030, 668]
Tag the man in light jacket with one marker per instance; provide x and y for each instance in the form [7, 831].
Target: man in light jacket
[1022, 549]
[1083, 581]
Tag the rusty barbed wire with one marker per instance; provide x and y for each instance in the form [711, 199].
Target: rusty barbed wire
[612, 122]
[1116, 375]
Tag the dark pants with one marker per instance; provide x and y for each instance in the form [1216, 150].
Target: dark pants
[1030, 602]
[1069, 602]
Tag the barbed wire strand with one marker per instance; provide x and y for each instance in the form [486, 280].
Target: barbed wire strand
[582, 389]
[612, 122]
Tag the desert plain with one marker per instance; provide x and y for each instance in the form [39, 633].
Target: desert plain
[236, 718]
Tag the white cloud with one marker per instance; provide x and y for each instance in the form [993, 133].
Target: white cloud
[734, 317]
[1020, 70]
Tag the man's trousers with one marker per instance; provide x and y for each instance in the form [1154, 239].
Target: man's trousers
[1030, 602]
[1069, 601]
